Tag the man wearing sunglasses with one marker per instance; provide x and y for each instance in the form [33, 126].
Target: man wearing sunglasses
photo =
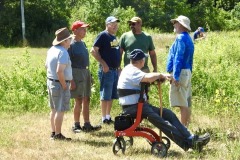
[137, 39]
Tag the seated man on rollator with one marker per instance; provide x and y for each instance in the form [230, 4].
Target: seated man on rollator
[131, 78]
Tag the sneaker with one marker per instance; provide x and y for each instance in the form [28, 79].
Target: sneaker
[205, 137]
[61, 137]
[110, 121]
[200, 141]
[89, 128]
[76, 128]
[52, 135]
[105, 121]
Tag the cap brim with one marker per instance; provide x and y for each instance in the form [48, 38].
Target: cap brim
[115, 20]
[85, 25]
[132, 21]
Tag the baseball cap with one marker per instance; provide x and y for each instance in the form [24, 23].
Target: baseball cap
[135, 19]
[78, 24]
[111, 19]
[201, 29]
[137, 54]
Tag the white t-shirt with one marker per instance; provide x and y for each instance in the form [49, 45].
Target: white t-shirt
[130, 78]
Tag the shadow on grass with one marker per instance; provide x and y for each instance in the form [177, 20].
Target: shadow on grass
[135, 151]
[174, 154]
[103, 133]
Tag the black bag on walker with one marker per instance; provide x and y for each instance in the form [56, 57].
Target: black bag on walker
[123, 122]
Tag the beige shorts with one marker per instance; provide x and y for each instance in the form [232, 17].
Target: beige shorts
[181, 96]
[82, 79]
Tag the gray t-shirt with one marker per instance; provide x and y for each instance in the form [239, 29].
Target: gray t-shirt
[58, 55]
[130, 78]
[79, 54]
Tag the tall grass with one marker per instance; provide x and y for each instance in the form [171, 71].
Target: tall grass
[216, 74]
[215, 109]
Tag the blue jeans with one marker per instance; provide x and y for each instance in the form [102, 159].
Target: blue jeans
[169, 124]
[108, 84]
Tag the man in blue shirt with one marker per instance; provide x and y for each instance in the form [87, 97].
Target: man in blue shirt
[199, 34]
[131, 78]
[179, 64]
[106, 51]
[81, 83]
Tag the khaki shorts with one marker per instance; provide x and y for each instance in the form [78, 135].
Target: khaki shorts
[59, 99]
[181, 96]
[82, 79]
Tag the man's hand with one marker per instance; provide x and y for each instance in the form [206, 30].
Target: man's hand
[72, 85]
[175, 82]
[164, 77]
[105, 68]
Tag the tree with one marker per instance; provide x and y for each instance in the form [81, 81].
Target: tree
[42, 18]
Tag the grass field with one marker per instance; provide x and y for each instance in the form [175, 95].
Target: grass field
[24, 117]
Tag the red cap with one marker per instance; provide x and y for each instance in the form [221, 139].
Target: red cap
[78, 24]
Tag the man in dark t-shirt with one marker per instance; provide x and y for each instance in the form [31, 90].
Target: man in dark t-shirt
[107, 52]
[81, 83]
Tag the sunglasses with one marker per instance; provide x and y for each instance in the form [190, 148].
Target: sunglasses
[132, 24]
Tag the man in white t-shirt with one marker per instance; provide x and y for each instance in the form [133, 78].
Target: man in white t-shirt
[131, 78]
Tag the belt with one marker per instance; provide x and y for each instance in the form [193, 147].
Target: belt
[86, 67]
[111, 68]
[56, 80]
[127, 106]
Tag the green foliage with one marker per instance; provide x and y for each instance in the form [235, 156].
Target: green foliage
[124, 15]
[215, 71]
[96, 15]
[42, 18]
[23, 87]
[215, 77]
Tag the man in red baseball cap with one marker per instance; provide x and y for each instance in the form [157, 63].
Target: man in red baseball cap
[81, 83]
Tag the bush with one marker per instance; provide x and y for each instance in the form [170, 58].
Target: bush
[23, 88]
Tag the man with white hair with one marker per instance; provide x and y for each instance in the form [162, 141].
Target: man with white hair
[129, 86]
[179, 64]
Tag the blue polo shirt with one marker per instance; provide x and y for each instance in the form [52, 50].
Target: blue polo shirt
[180, 55]
[196, 34]
[109, 49]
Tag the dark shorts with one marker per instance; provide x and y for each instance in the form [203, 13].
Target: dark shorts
[59, 99]
[108, 84]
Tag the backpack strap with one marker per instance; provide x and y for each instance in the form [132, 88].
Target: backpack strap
[127, 92]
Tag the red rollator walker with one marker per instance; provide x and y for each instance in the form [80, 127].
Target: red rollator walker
[128, 127]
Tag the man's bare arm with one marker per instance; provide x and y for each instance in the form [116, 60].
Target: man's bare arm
[153, 57]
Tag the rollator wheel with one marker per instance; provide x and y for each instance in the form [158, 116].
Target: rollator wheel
[129, 142]
[159, 149]
[119, 144]
[166, 141]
